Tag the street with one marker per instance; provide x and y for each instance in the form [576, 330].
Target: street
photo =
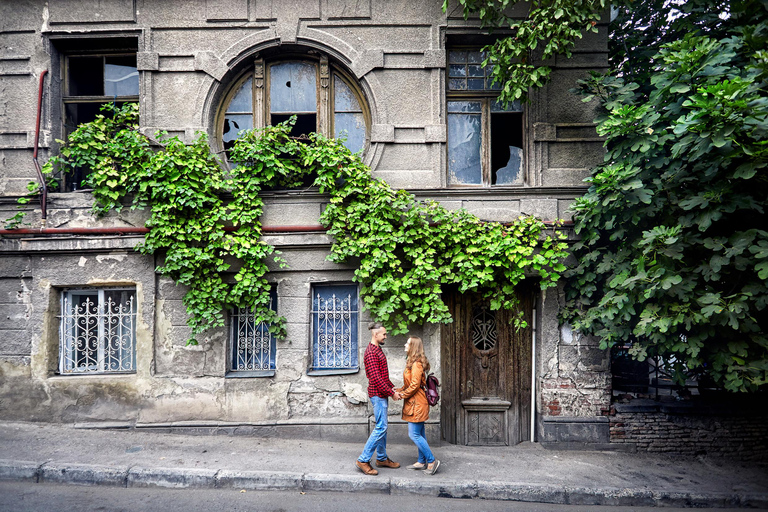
[31, 497]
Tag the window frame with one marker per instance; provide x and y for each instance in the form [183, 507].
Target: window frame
[68, 351]
[69, 99]
[326, 71]
[233, 373]
[486, 97]
[355, 342]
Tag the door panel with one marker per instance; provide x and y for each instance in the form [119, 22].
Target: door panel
[486, 371]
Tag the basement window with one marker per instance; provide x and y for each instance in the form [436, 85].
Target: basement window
[97, 331]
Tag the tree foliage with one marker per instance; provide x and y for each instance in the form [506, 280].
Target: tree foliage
[673, 257]
[203, 218]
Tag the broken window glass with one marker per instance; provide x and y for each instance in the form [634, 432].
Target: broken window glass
[464, 142]
[485, 140]
[349, 121]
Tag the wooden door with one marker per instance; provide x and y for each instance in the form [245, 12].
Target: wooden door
[487, 372]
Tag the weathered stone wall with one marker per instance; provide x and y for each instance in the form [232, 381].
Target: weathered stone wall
[679, 429]
[574, 381]
[188, 56]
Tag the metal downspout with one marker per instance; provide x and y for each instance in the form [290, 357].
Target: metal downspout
[41, 179]
[533, 378]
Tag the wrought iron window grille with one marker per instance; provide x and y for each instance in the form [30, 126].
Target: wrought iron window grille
[253, 346]
[97, 331]
[335, 329]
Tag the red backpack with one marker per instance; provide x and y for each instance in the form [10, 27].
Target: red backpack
[431, 389]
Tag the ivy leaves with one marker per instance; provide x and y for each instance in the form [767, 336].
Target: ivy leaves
[203, 218]
[672, 257]
[550, 28]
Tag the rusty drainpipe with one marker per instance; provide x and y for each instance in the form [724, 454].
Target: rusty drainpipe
[43, 186]
[129, 230]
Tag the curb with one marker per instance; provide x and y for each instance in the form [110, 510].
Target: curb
[195, 478]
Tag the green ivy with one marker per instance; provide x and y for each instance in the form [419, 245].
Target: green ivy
[549, 29]
[408, 251]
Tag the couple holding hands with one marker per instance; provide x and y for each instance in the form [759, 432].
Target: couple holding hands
[415, 406]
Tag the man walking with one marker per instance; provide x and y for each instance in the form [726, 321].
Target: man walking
[380, 388]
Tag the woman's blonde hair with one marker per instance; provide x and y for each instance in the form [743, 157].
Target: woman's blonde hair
[416, 353]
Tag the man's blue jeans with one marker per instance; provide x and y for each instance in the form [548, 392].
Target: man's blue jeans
[417, 433]
[377, 441]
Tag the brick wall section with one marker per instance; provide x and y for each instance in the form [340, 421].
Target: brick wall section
[732, 434]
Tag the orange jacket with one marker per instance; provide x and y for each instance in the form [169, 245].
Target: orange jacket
[415, 405]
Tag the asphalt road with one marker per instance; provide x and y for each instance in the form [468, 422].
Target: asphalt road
[31, 497]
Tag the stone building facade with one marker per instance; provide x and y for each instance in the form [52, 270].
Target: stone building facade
[401, 80]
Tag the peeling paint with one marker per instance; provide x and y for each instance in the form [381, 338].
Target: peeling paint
[101, 258]
[83, 261]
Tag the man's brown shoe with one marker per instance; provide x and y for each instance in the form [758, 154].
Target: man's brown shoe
[387, 463]
[366, 468]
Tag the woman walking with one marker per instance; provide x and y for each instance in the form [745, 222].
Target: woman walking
[415, 406]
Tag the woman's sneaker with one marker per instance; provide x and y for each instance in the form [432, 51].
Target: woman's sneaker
[432, 467]
[418, 465]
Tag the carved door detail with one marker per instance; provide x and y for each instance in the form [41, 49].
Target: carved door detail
[486, 369]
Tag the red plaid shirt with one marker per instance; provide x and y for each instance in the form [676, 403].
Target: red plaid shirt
[377, 372]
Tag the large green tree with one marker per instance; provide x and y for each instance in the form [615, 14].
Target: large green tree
[673, 257]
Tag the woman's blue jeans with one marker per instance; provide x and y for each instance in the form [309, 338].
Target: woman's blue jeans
[377, 441]
[417, 433]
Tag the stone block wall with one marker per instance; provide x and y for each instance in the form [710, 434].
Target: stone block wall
[684, 430]
[574, 382]
[188, 60]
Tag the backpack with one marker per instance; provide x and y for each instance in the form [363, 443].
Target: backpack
[431, 389]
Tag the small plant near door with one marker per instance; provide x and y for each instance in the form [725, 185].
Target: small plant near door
[406, 250]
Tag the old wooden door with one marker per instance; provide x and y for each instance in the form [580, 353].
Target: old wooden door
[487, 374]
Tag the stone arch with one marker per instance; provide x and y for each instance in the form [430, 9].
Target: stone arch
[236, 58]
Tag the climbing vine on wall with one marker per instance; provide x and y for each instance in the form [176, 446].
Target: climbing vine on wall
[203, 216]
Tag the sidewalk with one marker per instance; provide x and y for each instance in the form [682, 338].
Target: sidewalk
[526, 472]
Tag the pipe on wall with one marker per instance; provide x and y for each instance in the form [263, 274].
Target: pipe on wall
[126, 230]
[41, 179]
[533, 377]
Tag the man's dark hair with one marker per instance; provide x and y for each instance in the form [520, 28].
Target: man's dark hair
[372, 326]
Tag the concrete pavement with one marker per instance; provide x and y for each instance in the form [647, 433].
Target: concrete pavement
[527, 472]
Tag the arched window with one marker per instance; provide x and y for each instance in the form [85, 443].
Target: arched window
[323, 98]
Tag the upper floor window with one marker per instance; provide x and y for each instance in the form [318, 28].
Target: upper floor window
[97, 332]
[90, 81]
[485, 140]
[334, 328]
[321, 96]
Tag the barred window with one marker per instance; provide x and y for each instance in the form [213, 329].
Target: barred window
[97, 331]
[252, 345]
[334, 329]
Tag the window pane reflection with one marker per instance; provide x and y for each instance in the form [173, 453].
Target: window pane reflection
[351, 126]
[464, 148]
[292, 88]
[121, 78]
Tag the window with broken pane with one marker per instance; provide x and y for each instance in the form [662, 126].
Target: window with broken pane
[92, 81]
[485, 139]
[320, 95]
